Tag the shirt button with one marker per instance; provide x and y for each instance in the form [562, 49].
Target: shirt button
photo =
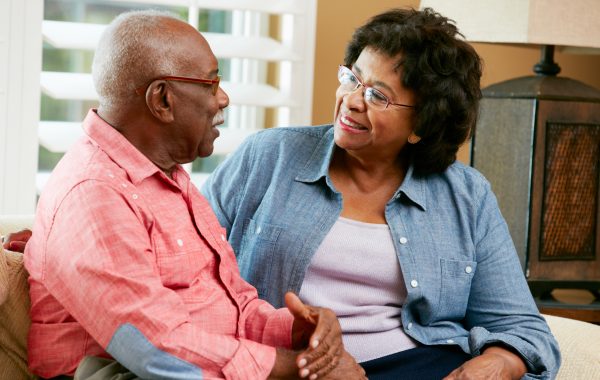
[111, 175]
[468, 269]
[403, 240]
[134, 196]
[258, 230]
[223, 237]
[450, 341]
[409, 326]
[124, 185]
[414, 283]
[180, 242]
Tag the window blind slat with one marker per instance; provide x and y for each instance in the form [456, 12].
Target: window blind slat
[58, 136]
[80, 86]
[272, 6]
[85, 36]
[72, 35]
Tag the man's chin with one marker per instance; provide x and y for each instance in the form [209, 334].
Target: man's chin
[206, 151]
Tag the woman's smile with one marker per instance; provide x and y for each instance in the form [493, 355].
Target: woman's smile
[349, 125]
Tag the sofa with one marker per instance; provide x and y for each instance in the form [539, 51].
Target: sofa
[579, 341]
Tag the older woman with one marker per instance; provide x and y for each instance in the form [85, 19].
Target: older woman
[373, 217]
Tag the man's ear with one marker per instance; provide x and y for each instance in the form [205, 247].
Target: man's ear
[159, 100]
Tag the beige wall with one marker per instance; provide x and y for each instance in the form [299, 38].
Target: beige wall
[337, 19]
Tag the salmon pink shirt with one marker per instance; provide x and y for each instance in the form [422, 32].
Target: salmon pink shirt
[128, 263]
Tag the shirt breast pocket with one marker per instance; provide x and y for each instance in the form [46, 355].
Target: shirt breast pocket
[456, 277]
[179, 266]
[255, 258]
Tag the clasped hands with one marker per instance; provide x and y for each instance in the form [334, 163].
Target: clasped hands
[316, 332]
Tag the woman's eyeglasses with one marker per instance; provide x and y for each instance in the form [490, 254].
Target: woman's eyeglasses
[349, 82]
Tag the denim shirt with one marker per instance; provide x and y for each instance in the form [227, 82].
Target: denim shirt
[464, 280]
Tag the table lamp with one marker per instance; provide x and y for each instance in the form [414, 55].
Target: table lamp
[537, 140]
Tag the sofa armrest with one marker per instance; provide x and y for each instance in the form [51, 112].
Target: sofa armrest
[579, 344]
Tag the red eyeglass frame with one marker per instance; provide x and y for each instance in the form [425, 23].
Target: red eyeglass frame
[215, 83]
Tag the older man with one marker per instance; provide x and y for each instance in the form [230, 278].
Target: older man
[127, 259]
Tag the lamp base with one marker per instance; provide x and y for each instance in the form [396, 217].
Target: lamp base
[538, 143]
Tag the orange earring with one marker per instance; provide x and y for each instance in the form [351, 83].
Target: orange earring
[413, 139]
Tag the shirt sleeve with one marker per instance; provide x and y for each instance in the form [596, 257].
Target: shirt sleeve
[501, 309]
[99, 264]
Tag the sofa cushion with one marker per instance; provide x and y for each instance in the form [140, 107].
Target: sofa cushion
[14, 316]
[579, 348]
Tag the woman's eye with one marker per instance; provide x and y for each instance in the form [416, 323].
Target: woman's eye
[378, 96]
[351, 79]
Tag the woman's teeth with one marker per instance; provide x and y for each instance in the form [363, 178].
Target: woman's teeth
[351, 123]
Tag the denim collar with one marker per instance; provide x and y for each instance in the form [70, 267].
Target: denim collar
[317, 167]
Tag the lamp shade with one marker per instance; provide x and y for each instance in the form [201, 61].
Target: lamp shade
[572, 23]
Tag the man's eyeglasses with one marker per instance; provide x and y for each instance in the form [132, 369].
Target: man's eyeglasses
[214, 83]
[349, 82]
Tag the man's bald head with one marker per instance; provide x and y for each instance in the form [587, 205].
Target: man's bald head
[135, 48]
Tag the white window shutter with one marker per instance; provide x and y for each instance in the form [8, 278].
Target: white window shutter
[20, 65]
[248, 47]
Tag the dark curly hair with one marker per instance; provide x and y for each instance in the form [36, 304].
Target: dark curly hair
[442, 70]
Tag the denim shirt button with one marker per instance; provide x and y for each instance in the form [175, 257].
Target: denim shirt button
[450, 341]
[258, 230]
[409, 326]
[403, 240]
[468, 269]
[414, 283]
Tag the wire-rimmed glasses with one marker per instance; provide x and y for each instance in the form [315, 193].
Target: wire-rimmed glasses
[376, 99]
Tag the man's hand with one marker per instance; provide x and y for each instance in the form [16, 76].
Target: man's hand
[347, 369]
[16, 241]
[494, 363]
[318, 332]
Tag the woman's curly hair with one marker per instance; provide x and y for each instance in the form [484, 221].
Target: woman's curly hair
[443, 70]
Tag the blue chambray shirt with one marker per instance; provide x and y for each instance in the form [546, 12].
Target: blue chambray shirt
[464, 280]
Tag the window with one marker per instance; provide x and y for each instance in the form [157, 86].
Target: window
[265, 51]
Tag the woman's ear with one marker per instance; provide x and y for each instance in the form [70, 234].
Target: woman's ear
[159, 100]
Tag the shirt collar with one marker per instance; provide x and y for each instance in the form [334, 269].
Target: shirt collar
[121, 151]
[414, 188]
[317, 167]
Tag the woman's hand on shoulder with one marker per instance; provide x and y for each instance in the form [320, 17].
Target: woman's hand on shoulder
[16, 241]
[494, 363]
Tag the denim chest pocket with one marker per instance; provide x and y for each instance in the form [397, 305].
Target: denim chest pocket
[456, 277]
[255, 258]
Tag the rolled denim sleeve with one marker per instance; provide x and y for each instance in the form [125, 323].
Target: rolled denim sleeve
[501, 309]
